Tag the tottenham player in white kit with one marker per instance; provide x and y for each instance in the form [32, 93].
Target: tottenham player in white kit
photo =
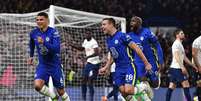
[90, 70]
[177, 71]
[196, 53]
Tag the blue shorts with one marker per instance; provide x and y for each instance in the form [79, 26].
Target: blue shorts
[45, 71]
[125, 75]
[176, 75]
[90, 71]
[141, 72]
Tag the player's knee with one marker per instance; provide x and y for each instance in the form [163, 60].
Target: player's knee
[38, 85]
[60, 91]
[129, 91]
[199, 84]
[155, 84]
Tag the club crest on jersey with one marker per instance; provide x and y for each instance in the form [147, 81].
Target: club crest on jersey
[47, 39]
[116, 41]
[141, 38]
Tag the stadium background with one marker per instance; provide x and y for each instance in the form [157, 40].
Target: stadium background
[156, 14]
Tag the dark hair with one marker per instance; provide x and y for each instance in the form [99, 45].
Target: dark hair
[43, 14]
[176, 32]
[111, 20]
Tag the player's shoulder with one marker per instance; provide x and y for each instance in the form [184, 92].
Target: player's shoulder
[147, 31]
[197, 41]
[34, 30]
[53, 31]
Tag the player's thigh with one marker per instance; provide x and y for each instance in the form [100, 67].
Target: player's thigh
[41, 74]
[131, 75]
[185, 84]
[91, 71]
[140, 70]
[172, 85]
[129, 89]
[122, 90]
[119, 77]
[57, 77]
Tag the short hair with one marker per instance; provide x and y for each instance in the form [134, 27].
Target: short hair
[111, 20]
[139, 19]
[176, 32]
[43, 14]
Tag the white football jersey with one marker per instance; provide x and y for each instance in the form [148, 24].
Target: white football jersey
[89, 49]
[197, 44]
[177, 46]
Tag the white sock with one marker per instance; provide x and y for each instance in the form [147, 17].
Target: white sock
[45, 91]
[65, 97]
[136, 90]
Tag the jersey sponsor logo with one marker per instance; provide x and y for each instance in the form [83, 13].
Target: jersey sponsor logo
[43, 50]
[114, 53]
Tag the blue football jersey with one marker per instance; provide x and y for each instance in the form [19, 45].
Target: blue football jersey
[118, 47]
[49, 51]
[150, 46]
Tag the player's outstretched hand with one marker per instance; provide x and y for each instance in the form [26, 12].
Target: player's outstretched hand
[30, 61]
[40, 40]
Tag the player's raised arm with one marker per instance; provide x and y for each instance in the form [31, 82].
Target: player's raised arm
[128, 40]
[133, 46]
[154, 41]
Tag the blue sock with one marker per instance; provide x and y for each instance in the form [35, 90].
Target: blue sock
[84, 91]
[187, 94]
[115, 88]
[91, 92]
[168, 94]
[114, 93]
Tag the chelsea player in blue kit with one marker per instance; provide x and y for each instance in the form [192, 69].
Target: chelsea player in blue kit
[47, 42]
[125, 73]
[151, 48]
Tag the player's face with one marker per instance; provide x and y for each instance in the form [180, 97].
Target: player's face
[88, 35]
[106, 26]
[134, 24]
[181, 35]
[42, 22]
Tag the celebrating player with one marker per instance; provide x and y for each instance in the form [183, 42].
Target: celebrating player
[47, 41]
[152, 50]
[125, 73]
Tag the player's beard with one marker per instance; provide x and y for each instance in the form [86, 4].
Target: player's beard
[134, 28]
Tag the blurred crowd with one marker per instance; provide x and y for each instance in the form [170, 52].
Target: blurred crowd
[187, 12]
